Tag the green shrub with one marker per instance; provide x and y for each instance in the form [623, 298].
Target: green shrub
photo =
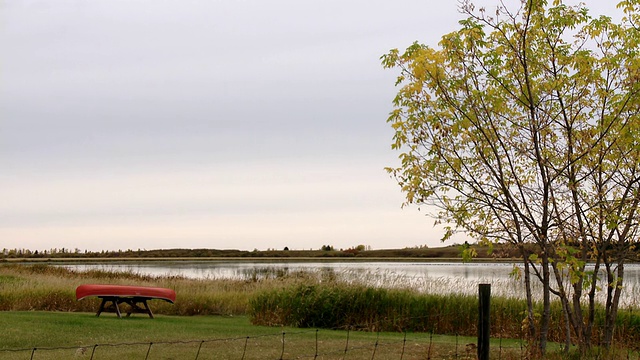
[336, 305]
[364, 308]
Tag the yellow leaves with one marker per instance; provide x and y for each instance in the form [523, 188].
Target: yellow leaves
[499, 114]
[468, 254]
[629, 6]
[391, 59]
[516, 272]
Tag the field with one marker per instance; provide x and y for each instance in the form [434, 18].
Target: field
[57, 335]
[217, 318]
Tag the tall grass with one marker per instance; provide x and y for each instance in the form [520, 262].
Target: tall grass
[42, 287]
[304, 299]
[379, 309]
[340, 306]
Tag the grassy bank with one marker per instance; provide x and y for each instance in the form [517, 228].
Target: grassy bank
[58, 335]
[348, 306]
[42, 287]
[286, 300]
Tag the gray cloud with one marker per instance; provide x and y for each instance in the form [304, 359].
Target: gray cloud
[227, 123]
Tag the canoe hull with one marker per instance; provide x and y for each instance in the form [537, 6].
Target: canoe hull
[124, 291]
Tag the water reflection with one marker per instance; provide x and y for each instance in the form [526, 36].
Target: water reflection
[427, 277]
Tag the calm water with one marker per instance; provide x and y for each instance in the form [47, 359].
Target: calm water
[428, 277]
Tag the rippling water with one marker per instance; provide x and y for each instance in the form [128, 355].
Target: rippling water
[429, 277]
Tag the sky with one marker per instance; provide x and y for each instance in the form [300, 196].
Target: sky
[226, 124]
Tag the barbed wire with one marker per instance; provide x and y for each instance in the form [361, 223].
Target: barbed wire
[379, 346]
[374, 346]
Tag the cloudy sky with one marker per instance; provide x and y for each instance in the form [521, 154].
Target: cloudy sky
[229, 124]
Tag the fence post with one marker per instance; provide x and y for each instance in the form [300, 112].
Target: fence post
[484, 291]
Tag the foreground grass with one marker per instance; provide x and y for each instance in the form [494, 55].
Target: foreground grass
[57, 335]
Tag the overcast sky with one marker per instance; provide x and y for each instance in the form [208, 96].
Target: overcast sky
[229, 124]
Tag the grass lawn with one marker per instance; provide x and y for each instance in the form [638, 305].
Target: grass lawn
[74, 335]
[41, 319]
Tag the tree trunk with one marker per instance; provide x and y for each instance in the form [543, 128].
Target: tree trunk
[567, 330]
[578, 316]
[614, 290]
[570, 320]
[546, 304]
[527, 286]
[588, 329]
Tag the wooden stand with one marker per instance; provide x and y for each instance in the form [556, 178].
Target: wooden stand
[132, 301]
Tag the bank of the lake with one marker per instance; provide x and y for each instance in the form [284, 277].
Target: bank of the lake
[327, 251]
[51, 288]
[439, 277]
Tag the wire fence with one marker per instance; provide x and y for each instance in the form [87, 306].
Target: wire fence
[439, 338]
[304, 344]
[290, 346]
[430, 336]
[312, 343]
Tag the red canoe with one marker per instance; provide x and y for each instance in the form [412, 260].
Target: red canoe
[123, 291]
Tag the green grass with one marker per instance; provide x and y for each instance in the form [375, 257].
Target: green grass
[314, 301]
[225, 338]
[60, 335]
[26, 329]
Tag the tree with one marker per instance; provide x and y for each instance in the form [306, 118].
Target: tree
[523, 127]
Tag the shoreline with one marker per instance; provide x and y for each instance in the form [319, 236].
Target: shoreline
[257, 259]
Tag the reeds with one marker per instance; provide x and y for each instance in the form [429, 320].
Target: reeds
[339, 305]
[324, 299]
[342, 306]
[42, 287]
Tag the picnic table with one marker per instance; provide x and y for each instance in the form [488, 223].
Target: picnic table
[134, 296]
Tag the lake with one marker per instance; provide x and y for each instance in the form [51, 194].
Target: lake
[431, 277]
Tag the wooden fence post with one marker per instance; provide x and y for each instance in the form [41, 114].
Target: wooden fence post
[484, 336]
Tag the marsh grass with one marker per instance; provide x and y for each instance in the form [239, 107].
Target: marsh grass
[318, 299]
[349, 306]
[341, 306]
[42, 287]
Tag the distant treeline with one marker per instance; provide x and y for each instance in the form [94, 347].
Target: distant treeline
[448, 252]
